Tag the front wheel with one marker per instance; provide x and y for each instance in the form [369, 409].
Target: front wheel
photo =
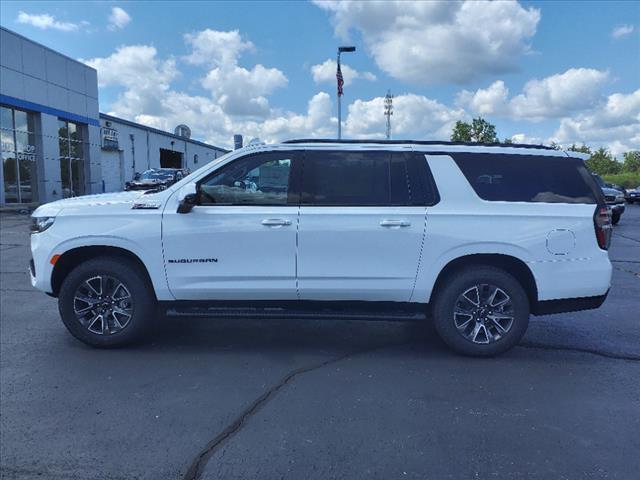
[106, 302]
[481, 311]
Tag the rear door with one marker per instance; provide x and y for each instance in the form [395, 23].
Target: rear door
[361, 227]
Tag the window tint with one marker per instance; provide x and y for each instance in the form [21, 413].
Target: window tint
[261, 179]
[423, 188]
[527, 178]
[356, 179]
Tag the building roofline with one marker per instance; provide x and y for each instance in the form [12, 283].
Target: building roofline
[160, 132]
[47, 48]
[415, 142]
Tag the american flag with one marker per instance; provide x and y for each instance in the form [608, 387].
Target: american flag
[340, 81]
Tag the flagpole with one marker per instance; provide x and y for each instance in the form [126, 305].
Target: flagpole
[340, 81]
[339, 105]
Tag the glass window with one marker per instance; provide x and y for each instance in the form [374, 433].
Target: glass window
[72, 166]
[527, 178]
[261, 179]
[18, 155]
[346, 178]
[422, 185]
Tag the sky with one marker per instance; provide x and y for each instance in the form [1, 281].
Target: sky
[542, 72]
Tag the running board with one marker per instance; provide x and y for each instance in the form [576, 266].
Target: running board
[281, 313]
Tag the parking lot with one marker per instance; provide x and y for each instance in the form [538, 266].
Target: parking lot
[308, 399]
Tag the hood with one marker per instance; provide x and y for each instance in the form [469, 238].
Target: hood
[611, 191]
[54, 208]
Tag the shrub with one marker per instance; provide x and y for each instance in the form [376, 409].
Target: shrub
[625, 180]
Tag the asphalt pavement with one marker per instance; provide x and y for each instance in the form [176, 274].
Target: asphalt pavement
[310, 399]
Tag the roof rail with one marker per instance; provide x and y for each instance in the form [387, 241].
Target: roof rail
[417, 142]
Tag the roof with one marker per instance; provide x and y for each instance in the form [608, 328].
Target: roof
[417, 142]
[160, 132]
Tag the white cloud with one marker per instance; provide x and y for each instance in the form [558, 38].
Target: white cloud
[622, 31]
[555, 96]
[216, 48]
[614, 125]
[44, 21]
[118, 19]
[524, 138]
[439, 42]
[241, 91]
[415, 116]
[326, 73]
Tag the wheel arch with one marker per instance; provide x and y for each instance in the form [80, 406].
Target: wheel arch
[75, 256]
[508, 263]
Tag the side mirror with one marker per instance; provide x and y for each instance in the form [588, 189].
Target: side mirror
[187, 198]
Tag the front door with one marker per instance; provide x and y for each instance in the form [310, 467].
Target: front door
[361, 226]
[239, 241]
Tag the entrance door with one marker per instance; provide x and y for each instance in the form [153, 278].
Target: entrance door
[170, 158]
[361, 226]
[239, 241]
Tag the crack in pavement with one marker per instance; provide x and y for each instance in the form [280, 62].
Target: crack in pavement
[592, 351]
[620, 269]
[200, 461]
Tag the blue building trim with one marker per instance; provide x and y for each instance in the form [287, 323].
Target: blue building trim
[36, 107]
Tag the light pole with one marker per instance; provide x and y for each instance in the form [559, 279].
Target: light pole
[340, 85]
[388, 111]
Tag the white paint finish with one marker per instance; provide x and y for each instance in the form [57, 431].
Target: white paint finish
[254, 261]
[344, 253]
[10, 50]
[33, 60]
[340, 253]
[561, 241]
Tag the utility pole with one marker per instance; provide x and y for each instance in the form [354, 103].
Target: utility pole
[340, 81]
[388, 111]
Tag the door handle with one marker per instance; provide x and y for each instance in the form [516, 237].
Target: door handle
[395, 223]
[275, 222]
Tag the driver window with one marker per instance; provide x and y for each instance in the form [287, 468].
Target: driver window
[261, 179]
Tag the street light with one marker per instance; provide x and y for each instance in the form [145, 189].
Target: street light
[340, 80]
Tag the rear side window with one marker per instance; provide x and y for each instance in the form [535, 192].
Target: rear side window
[371, 178]
[527, 178]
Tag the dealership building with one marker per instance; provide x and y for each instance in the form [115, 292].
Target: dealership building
[56, 144]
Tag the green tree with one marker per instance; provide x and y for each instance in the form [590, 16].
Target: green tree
[478, 131]
[602, 163]
[631, 162]
[581, 149]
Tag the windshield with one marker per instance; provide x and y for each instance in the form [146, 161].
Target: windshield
[156, 175]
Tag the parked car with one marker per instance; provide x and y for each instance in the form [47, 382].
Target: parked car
[614, 199]
[476, 237]
[155, 178]
[632, 195]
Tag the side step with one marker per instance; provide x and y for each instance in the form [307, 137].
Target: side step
[281, 313]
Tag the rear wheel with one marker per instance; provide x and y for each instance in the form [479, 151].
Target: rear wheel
[481, 311]
[106, 302]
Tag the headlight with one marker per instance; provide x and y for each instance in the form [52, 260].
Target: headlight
[40, 224]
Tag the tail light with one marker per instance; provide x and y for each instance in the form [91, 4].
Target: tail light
[602, 225]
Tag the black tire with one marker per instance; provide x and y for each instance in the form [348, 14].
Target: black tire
[142, 306]
[615, 218]
[449, 293]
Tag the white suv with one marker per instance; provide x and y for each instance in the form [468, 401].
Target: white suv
[477, 236]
